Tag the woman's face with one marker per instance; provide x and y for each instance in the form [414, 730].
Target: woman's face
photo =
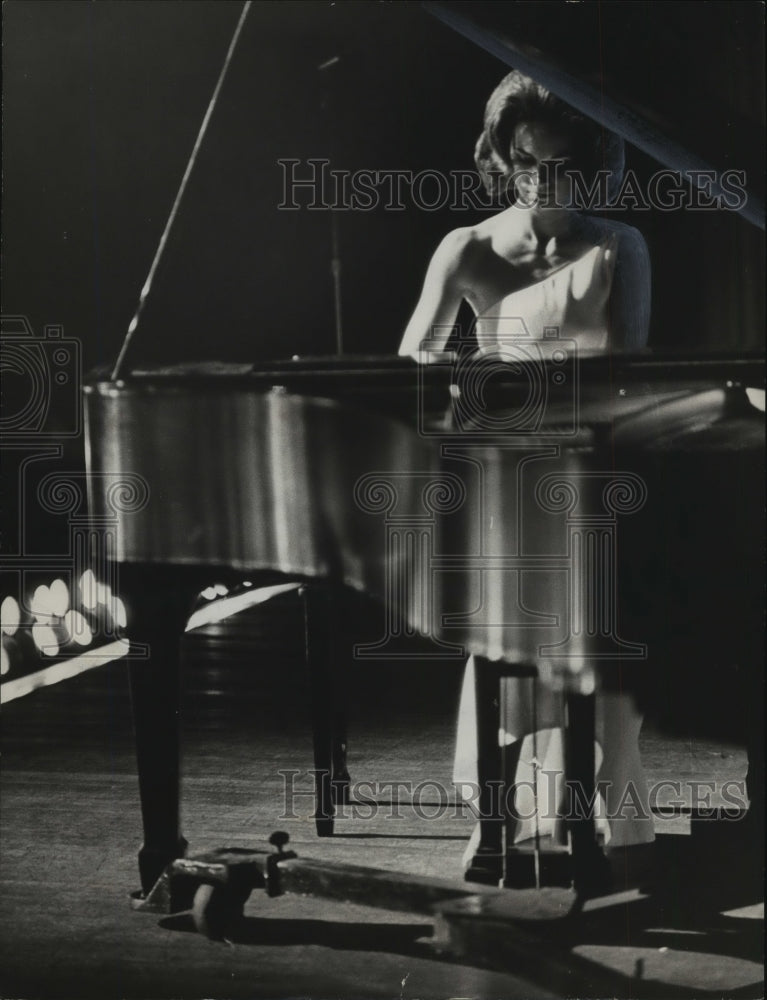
[540, 153]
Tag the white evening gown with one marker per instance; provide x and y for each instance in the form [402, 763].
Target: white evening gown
[572, 300]
[622, 810]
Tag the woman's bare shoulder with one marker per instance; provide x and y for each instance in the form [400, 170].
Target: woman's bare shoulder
[456, 258]
[596, 230]
[458, 244]
[463, 252]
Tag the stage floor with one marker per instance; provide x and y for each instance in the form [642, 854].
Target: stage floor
[70, 833]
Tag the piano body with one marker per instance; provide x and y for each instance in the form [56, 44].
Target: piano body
[362, 472]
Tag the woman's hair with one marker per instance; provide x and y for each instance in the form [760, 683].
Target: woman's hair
[519, 99]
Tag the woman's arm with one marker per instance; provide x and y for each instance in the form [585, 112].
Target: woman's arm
[629, 303]
[443, 288]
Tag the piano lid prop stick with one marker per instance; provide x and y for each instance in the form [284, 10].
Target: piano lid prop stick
[594, 103]
[179, 196]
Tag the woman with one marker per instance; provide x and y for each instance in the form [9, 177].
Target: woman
[536, 265]
[530, 147]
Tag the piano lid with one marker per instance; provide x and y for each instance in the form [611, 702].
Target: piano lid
[683, 82]
[243, 280]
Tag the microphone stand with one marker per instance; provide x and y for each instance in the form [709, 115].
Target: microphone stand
[335, 251]
[335, 268]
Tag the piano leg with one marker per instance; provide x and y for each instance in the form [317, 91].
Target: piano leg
[331, 778]
[488, 863]
[590, 868]
[157, 602]
[340, 783]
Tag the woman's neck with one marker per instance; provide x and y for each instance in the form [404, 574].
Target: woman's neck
[539, 219]
[549, 223]
[531, 230]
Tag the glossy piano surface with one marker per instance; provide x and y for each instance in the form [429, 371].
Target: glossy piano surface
[477, 490]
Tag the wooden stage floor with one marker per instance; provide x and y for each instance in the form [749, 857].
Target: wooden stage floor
[70, 832]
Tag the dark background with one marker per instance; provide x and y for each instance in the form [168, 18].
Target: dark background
[102, 103]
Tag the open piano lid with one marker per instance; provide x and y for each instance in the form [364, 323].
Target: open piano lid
[684, 85]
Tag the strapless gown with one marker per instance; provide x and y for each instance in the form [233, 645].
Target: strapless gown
[570, 303]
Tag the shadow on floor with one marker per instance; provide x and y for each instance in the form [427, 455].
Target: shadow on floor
[697, 923]
[393, 938]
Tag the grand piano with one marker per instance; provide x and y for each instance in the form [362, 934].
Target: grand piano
[374, 473]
